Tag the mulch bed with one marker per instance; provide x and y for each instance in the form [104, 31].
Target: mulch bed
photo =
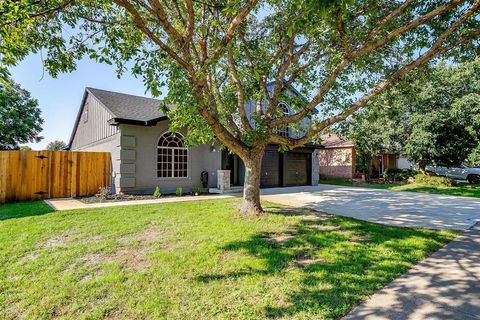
[123, 197]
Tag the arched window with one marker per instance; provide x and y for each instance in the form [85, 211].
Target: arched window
[283, 131]
[172, 156]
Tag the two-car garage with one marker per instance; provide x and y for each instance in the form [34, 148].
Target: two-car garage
[293, 168]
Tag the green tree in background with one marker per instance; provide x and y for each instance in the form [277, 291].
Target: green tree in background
[433, 116]
[228, 64]
[20, 117]
[56, 145]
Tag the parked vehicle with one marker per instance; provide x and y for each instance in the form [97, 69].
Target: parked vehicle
[462, 172]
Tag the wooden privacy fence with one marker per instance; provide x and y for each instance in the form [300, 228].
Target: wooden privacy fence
[32, 175]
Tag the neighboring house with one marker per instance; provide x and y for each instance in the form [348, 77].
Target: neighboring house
[145, 154]
[337, 160]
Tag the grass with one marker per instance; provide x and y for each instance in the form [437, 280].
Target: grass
[196, 260]
[23, 209]
[465, 190]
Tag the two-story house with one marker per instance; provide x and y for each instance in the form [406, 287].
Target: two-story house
[145, 154]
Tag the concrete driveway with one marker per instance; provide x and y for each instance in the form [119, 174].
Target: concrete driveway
[409, 209]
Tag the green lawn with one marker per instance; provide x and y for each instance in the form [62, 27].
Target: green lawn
[195, 260]
[465, 190]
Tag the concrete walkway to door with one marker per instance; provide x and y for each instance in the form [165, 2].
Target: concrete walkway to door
[408, 209]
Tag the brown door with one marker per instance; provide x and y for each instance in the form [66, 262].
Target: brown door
[270, 170]
[297, 169]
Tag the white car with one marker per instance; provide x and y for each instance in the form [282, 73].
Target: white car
[461, 172]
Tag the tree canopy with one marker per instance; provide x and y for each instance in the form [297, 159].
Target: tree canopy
[56, 145]
[20, 117]
[219, 58]
[432, 117]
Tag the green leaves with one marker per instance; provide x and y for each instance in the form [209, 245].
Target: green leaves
[20, 117]
[431, 116]
[181, 51]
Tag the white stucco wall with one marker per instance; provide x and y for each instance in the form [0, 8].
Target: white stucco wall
[138, 156]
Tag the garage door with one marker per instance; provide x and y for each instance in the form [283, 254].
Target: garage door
[297, 169]
[270, 170]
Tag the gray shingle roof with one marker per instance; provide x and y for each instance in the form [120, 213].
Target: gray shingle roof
[127, 106]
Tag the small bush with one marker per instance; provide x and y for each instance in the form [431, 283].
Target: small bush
[421, 178]
[103, 193]
[398, 175]
[157, 193]
[435, 181]
[197, 190]
[179, 192]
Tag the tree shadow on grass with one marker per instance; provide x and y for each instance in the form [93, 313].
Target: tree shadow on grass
[340, 260]
[23, 209]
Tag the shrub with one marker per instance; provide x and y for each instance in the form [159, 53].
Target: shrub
[435, 181]
[421, 178]
[395, 174]
[103, 193]
[157, 193]
[197, 190]
[179, 192]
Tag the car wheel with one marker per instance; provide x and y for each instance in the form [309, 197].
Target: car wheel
[474, 178]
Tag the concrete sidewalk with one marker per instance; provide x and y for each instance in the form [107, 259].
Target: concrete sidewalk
[444, 286]
[72, 204]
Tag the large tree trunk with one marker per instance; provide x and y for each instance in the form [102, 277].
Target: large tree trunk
[251, 187]
[422, 165]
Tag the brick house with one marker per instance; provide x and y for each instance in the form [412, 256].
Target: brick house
[337, 160]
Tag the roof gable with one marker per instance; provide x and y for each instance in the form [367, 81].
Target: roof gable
[128, 107]
[331, 140]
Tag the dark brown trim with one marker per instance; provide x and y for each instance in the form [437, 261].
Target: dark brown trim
[148, 123]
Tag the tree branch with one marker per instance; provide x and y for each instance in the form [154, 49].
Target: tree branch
[366, 48]
[230, 32]
[140, 23]
[435, 50]
[240, 92]
[395, 13]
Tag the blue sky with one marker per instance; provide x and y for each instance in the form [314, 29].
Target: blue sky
[59, 98]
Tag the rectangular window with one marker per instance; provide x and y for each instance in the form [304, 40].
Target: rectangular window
[172, 162]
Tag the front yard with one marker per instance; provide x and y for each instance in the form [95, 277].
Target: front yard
[195, 260]
[464, 190]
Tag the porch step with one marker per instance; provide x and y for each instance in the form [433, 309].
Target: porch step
[233, 189]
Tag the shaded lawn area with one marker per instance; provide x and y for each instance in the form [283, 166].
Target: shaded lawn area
[24, 209]
[196, 260]
[464, 190]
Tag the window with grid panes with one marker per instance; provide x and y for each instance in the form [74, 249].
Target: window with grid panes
[284, 130]
[172, 156]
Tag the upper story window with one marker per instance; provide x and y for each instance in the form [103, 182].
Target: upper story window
[172, 156]
[284, 130]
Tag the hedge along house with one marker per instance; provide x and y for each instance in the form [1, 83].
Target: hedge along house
[145, 154]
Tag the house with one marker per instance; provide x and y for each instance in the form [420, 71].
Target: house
[145, 154]
[337, 159]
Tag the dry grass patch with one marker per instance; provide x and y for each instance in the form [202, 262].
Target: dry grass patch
[129, 257]
[198, 260]
[60, 240]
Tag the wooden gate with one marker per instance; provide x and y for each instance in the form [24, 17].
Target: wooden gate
[33, 175]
